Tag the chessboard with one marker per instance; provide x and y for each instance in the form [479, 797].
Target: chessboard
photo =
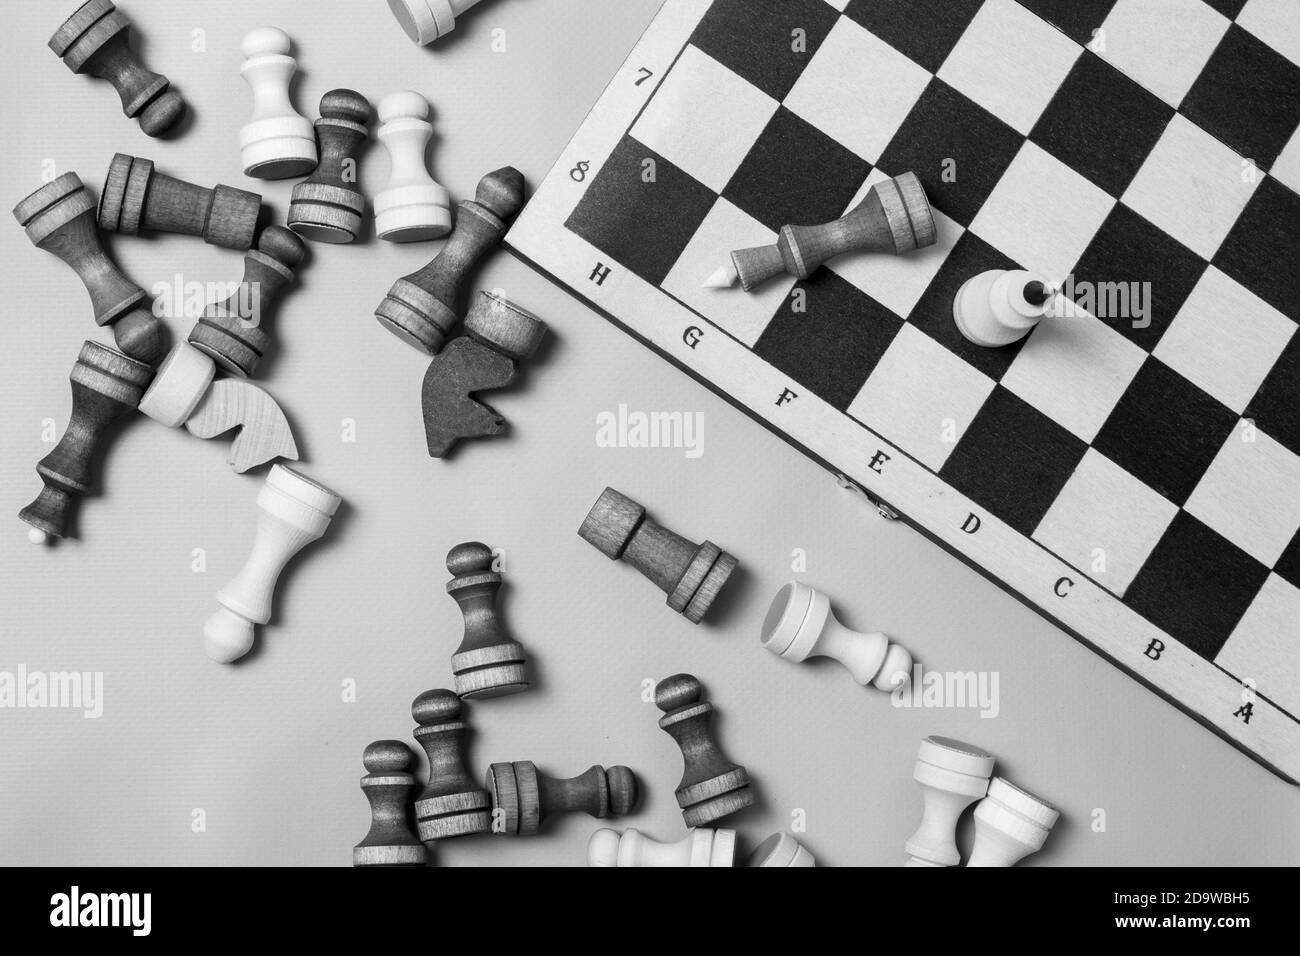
[1132, 468]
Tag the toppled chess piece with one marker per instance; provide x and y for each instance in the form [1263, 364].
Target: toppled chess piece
[388, 785]
[426, 20]
[1010, 824]
[781, 849]
[1001, 306]
[452, 804]
[327, 206]
[498, 336]
[524, 797]
[60, 218]
[488, 662]
[712, 786]
[691, 574]
[94, 40]
[952, 775]
[412, 207]
[700, 847]
[278, 142]
[106, 386]
[800, 625]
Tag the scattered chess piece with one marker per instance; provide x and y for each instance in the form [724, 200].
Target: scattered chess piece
[106, 386]
[237, 332]
[292, 512]
[800, 625]
[327, 206]
[894, 217]
[952, 775]
[633, 848]
[1001, 306]
[183, 392]
[1010, 824]
[388, 785]
[781, 849]
[94, 40]
[488, 662]
[452, 804]
[421, 308]
[134, 196]
[426, 20]
[525, 797]
[60, 218]
[691, 574]
[412, 207]
[712, 786]
[498, 336]
[277, 142]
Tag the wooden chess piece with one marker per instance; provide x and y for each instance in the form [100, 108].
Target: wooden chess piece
[94, 40]
[800, 625]
[1001, 306]
[952, 775]
[524, 797]
[781, 849]
[278, 142]
[426, 20]
[237, 332]
[60, 218]
[134, 196]
[690, 574]
[1010, 824]
[712, 786]
[412, 207]
[327, 206]
[292, 512]
[421, 308]
[701, 847]
[895, 217]
[498, 336]
[388, 785]
[106, 386]
[488, 662]
[452, 804]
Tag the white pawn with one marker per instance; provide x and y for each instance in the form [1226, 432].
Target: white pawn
[412, 208]
[1010, 824]
[952, 775]
[700, 847]
[426, 20]
[781, 849]
[800, 625]
[278, 142]
[998, 307]
[292, 512]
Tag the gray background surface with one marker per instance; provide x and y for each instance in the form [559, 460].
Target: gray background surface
[269, 750]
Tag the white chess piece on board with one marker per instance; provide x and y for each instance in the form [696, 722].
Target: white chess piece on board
[426, 20]
[277, 142]
[1010, 824]
[1000, 306]
[412, 207]
[952, 775]
[700, 847]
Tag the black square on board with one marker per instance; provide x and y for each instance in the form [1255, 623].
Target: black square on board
[970, 256]
[795, 173]
[1263, 248]
[1102, 124]
[957, 149]
[757, 39]
[1229, 8]
[1077, 19]
[644, 226]
[1013, 460]
[1196, 585]
[834, 344]
[1128, 248]
[923, 30]
[1275, 409]
[1165, 431]
[1288, 566]
[1247, 96]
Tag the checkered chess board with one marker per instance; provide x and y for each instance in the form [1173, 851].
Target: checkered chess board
[1135, 476]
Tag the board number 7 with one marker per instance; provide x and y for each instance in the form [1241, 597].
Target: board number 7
[645, 74]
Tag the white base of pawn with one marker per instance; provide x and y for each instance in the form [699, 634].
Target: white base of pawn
[991, 310]
[426, 20]
[413, 214]
[1010, 824]
[952, 775]
[282, 147]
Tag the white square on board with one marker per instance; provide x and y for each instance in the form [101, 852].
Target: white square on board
[1263, 647]
[921, 397]
[1225, 339]
[1248, 494]
[897, 282]
[858, 89]
[1286, 168]
[1042, 213]
[1105, 522]
[704, 119]
[1011, 62]
[1074, 369]
[838, 4]
[1192, 186]
[743, 314]
[1276, 22]
[1136, 39]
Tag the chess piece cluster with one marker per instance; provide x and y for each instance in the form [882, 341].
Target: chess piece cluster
[1010, 823]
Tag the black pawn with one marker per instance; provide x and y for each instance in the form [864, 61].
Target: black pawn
[388, 786]
[525, 797]
[452, 804]
[327, 206]
[712, 786]
[488, 663]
